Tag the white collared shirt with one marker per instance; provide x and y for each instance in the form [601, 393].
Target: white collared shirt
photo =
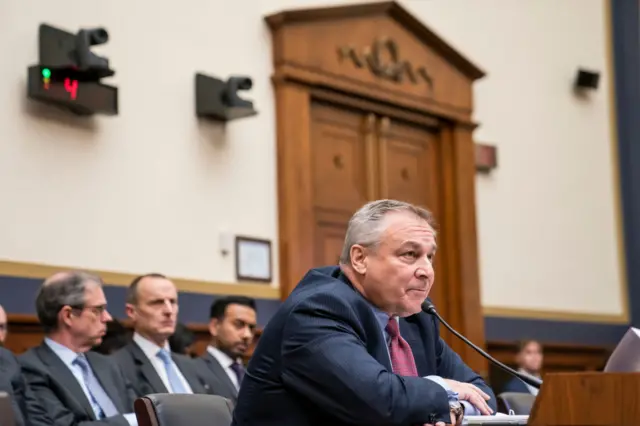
[151, 350]
[225, 362]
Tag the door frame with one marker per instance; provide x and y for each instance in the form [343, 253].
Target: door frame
[295, 87]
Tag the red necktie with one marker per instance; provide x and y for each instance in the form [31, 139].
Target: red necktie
[402, 359]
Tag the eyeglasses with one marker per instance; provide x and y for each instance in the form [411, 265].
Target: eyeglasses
[95, 309]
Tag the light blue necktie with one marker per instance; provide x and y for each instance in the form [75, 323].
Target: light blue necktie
[100, 401]
[172, 374]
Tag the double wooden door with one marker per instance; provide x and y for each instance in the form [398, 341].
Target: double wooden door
[359, 156]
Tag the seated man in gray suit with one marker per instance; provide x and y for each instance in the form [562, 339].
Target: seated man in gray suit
[232, 326]
[74, 385]
[147, 361]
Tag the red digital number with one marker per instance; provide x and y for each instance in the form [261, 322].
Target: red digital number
[71, 86]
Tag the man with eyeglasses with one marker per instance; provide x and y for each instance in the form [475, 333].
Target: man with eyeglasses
[74, 385]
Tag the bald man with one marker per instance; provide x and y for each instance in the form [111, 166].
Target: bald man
[147, 361]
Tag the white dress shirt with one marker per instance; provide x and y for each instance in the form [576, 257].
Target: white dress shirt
[225, 362]
[151, 350]
[67, 356]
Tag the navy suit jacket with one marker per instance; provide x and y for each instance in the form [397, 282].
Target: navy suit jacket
[516, 385]
[323, 360]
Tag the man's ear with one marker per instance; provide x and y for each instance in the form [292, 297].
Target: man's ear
[64, 316]
[130, 310]
[213, 327]
[358, 259]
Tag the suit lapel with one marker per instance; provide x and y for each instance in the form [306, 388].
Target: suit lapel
[67, 380]
[147, 369]
[190, 376]
[217, 369]
[103, 373]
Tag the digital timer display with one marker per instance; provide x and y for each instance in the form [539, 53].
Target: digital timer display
[65, 87]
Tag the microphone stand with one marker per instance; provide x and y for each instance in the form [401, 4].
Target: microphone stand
[428, 308]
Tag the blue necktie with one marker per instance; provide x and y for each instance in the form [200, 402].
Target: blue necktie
[100, 401]
[172, 374]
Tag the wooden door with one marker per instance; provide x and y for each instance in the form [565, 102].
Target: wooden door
[358, 157]
[376, 58]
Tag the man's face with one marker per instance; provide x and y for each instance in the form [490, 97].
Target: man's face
[234, 333]
[397, 274]
[3, 325]
[156, 311]
[530, 358]
[88, 323]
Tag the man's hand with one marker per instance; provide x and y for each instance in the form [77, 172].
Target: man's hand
[471, 393]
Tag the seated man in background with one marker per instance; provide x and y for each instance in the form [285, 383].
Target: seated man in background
[351, 346]
[147, 361]
[529, 360]
[182, 341]
[4, 326]
[116, 337]
[74, 385]
[12, 382]
[232, 326]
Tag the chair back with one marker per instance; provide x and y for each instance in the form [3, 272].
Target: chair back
[168, 409]
[519, 403]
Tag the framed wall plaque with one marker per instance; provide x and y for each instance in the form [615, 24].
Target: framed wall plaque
[253, 259]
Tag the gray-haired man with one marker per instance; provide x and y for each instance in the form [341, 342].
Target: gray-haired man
[76, 386]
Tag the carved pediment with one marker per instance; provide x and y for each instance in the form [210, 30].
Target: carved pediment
[375, 49]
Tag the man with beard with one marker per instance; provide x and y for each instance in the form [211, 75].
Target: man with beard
[232, 326]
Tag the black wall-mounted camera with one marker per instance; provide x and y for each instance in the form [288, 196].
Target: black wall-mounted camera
[68, 73]
[219, 100]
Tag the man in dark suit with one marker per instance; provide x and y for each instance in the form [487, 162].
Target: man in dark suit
[350, 345]
[147, 361]
[232, 326]
[74, 385]
[529, 359]
[12, 382]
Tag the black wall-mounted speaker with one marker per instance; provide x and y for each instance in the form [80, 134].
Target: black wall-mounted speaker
[586, 79]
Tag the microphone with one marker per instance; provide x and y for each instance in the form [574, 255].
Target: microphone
[428, 308]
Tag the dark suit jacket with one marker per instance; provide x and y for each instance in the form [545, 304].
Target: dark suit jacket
[12, 382]
[322, 360]
[58, 391]
[516, 385]
[138, 370]
[217, 378]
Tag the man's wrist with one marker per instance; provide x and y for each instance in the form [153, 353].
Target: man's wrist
[457, 409]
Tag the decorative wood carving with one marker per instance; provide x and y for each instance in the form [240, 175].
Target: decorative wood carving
[382, 58]
[372, 104]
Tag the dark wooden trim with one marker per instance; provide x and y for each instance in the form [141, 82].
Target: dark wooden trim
[294, 185]
[314, 78]
[379, 108]
[391, 8]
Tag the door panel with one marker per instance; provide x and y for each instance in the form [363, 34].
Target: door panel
[409, 172]
[341, 175]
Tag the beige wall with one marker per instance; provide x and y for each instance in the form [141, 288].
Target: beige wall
[152, 188]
